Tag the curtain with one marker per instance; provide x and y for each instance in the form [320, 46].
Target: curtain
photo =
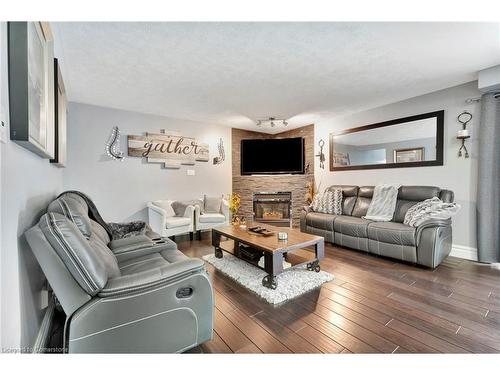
[488, 189]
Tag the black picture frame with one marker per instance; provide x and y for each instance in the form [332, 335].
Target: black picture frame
[439, 115]
[60, 118]
[40, 139]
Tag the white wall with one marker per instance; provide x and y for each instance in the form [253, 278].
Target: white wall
[28, 183]
[457, 174]
[3, 87]
[120, 190]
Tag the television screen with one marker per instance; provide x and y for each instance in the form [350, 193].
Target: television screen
[272, 156]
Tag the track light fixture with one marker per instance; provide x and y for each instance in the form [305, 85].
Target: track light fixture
[271, 122]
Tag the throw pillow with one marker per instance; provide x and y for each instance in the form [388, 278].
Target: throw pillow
[337, 201]
[179, 207]
[124, 230]
[166, 206]
[330, 202]
[433, 208]
[212, 205]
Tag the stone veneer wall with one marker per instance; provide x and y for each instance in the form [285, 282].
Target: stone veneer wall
[247, 185]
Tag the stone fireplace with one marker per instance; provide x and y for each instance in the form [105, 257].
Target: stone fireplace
[295, 184]
[274, 208]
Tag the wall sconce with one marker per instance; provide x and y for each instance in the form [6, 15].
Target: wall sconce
[463, 134]
[113, 145]
[222, 154]
[321, 155]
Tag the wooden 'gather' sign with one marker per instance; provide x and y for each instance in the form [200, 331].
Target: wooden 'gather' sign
[169, 149]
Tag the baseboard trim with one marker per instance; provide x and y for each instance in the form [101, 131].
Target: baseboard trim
[42, 338]
[464, 252]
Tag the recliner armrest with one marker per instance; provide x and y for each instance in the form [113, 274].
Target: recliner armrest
[141, 249]
[133, 242]
[151, 278]
[431, 223]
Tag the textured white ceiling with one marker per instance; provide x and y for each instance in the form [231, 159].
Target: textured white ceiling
[236, 73]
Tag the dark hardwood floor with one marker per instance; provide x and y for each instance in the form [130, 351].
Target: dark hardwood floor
[374, 305]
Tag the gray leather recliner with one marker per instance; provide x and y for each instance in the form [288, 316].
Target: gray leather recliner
[427, 245]
[135, 294]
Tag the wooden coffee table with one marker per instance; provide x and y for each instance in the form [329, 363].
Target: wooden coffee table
[275, 250]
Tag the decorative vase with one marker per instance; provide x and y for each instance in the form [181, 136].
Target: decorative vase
[238, 220]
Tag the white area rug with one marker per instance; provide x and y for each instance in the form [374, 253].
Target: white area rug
[291, 283]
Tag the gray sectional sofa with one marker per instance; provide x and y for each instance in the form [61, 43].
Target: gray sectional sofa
[427, 244]
[137, 294]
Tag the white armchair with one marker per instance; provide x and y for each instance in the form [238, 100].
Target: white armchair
[206, 221]
[162, 219]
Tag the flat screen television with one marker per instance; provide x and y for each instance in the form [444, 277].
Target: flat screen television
[272, 156]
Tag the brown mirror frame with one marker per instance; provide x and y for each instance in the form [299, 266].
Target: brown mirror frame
[439, 115]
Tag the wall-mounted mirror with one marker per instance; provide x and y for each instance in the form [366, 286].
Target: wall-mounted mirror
[415, 141]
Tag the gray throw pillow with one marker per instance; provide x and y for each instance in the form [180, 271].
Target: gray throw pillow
[179, 207]
[212, 205]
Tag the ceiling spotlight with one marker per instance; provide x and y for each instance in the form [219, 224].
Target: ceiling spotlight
[272, 124]
[259, 123]
[285, 123]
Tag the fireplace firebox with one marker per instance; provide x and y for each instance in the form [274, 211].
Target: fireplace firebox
[274, 208]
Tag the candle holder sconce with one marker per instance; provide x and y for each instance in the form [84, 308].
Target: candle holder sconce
[113, 145]
[222, 154]
[321, 155]
[463, 134]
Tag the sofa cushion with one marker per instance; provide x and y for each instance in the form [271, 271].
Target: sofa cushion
[351, 226]
[320, 220]
[82, 260]
[408, 196]
[391, 232]
[177, 221]
[363, 201]
[349, 196]
[100, 232]
[418, 193]
[212, 218]
[106, 256]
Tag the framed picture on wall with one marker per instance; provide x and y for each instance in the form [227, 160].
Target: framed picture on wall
[60, 110]
[341, 158]
[31, 86]
[408, 155]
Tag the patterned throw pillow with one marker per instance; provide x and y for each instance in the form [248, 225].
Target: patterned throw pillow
[329, 202]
